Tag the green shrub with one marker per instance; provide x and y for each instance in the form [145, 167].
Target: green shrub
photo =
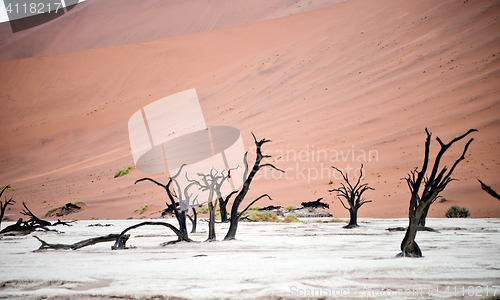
[457, 212]
[291, 207]
[263, 216]
[142, 209]
[290, 218]
[443, 199]
[123, 172]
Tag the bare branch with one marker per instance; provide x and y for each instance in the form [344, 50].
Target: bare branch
[363, 202]
[4, 188]
[343, 203]
[489, 190]
[251, 203]
[272, 166]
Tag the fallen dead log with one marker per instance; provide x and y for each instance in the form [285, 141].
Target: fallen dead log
[84, 243]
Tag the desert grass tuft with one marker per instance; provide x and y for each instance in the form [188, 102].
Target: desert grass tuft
[123, 172]
[290, 218]
[263, 216]
[333, 220]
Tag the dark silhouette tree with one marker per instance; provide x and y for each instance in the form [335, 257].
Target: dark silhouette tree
[170, 210]
[3, 205]
[430, 188]
[180, 214]
[353, 196]
[247, 180]
[210, 182]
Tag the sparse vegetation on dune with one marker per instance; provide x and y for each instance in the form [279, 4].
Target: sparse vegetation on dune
[123, 172]
[142, 209]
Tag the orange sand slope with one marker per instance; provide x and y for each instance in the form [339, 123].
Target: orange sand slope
[353, 82]
[94, 24]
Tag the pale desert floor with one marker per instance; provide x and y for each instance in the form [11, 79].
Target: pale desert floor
[267, 261]
[355, 77]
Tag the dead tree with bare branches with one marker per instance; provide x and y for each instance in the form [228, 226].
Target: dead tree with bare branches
[430, 188]
[180, 215]
[247, 180]
[3, 205]
[353, 196]
[209, 182]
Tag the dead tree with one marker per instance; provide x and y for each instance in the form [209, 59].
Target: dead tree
[34, 223]
[430, 186]
[487, 189]
[3, 205]
[34, 219]
[212, 183]
[209, 182]
[353, 196]
[180, 215]
[247, 179]
[315, 204]
[170, 210]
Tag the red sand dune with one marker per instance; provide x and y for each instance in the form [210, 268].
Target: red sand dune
[95, 24]
[354, 76]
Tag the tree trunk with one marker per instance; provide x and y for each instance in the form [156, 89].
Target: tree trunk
[233, 227]
[424, 215]
[195, 220]
[408, 246]
[181, 218]
[353, 222]
[223, 210]
[211, 223]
